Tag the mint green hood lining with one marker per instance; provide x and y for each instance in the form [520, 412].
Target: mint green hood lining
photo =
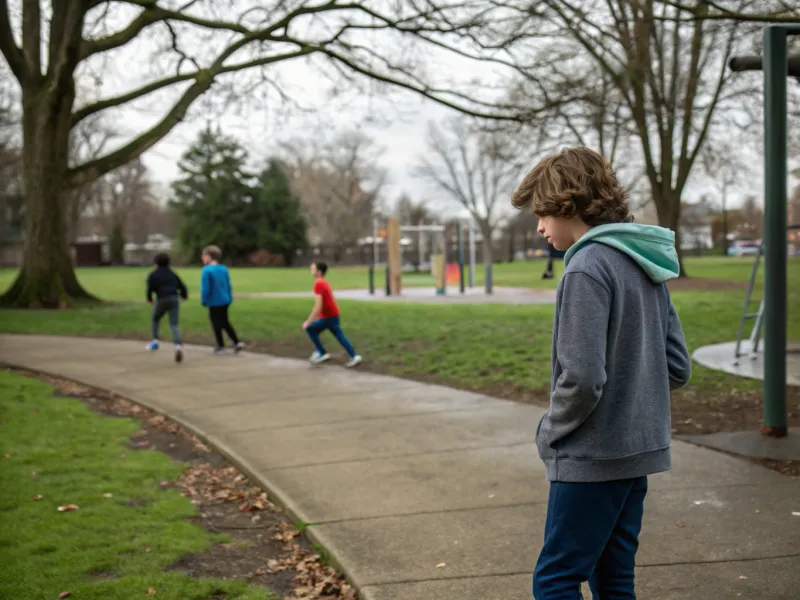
[651, 247]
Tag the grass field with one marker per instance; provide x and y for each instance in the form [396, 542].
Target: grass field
[498, 349]
[127, 283]
[127, 529]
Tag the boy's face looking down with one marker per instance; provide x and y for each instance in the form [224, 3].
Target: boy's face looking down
[562, 232]
[313, 269]
[205, 258]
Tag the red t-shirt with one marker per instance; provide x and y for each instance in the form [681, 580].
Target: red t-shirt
[329, 308]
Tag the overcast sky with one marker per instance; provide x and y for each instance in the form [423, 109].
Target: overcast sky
[396, 121]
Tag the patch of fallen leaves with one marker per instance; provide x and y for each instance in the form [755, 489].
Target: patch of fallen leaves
[209, 485]
[313, 580]
[790, 468]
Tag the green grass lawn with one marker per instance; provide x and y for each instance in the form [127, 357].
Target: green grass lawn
[127, 283]
[111, 548]
[498, 349]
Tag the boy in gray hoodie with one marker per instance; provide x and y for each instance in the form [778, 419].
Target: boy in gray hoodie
[618, 350]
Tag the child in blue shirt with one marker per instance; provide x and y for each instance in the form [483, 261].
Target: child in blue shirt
[217, 295]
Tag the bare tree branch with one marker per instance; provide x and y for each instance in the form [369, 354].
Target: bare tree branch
[10, 50]
[790, 15]
[32, 38]
[474, 168]
[202, 82]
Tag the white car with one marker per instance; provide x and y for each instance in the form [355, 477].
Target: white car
[743, 248]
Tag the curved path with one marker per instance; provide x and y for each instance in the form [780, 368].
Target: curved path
[421, 492]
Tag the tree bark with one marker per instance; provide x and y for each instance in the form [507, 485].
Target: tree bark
[668, 207]
[47, 277]
[488, 250]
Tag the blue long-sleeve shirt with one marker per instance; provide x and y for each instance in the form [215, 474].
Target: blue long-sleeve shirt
[215, 286]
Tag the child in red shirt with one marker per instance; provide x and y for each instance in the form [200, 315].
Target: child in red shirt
[325, 315]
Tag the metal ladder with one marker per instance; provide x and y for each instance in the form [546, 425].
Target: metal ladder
[755, 333]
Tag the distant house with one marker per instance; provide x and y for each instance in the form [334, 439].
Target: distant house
[142, 253]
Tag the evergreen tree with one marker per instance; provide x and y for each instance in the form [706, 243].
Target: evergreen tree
[214, 196]
[281, 227]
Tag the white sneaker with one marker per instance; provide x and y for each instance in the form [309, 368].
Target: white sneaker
[178, 353]
[318, 358]
[238, 347]
[356, 360]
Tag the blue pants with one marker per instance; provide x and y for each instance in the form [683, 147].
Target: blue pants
[591, 534]
[331, 323]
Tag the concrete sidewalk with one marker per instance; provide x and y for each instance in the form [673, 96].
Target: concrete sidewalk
[422, 492]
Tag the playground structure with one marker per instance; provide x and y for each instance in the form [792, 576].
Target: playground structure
[444, 273]
[776, 65]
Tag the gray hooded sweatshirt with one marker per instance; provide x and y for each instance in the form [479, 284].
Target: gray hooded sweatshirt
[618, 350]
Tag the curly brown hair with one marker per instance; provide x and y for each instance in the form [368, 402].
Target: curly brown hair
[574, 182]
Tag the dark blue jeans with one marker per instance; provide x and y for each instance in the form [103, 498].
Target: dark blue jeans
[332, 324]
[169, 305]
[591, 534]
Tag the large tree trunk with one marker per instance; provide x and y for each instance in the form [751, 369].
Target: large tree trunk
[668, 207]
[47, 278]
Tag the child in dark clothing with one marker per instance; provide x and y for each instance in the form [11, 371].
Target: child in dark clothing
[167, 288]
[618, 350]
[217, 295]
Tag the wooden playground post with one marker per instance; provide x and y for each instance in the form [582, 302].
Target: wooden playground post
[393, 263]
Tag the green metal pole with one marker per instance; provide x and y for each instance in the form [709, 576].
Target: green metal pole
[774, 238]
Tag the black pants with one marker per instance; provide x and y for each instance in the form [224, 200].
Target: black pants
[220, 322]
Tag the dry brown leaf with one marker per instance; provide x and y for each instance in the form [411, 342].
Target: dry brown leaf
[68, 507]
[38, 497]
[440, 565]
[122, 456]
[63, 595]
[151, 591]
[108, 495]
[680, 524]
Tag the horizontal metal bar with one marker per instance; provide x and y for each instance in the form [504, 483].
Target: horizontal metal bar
[755, 63]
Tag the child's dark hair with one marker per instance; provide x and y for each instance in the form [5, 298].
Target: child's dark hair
[322, 268]
[161, 259]
[574, 182]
